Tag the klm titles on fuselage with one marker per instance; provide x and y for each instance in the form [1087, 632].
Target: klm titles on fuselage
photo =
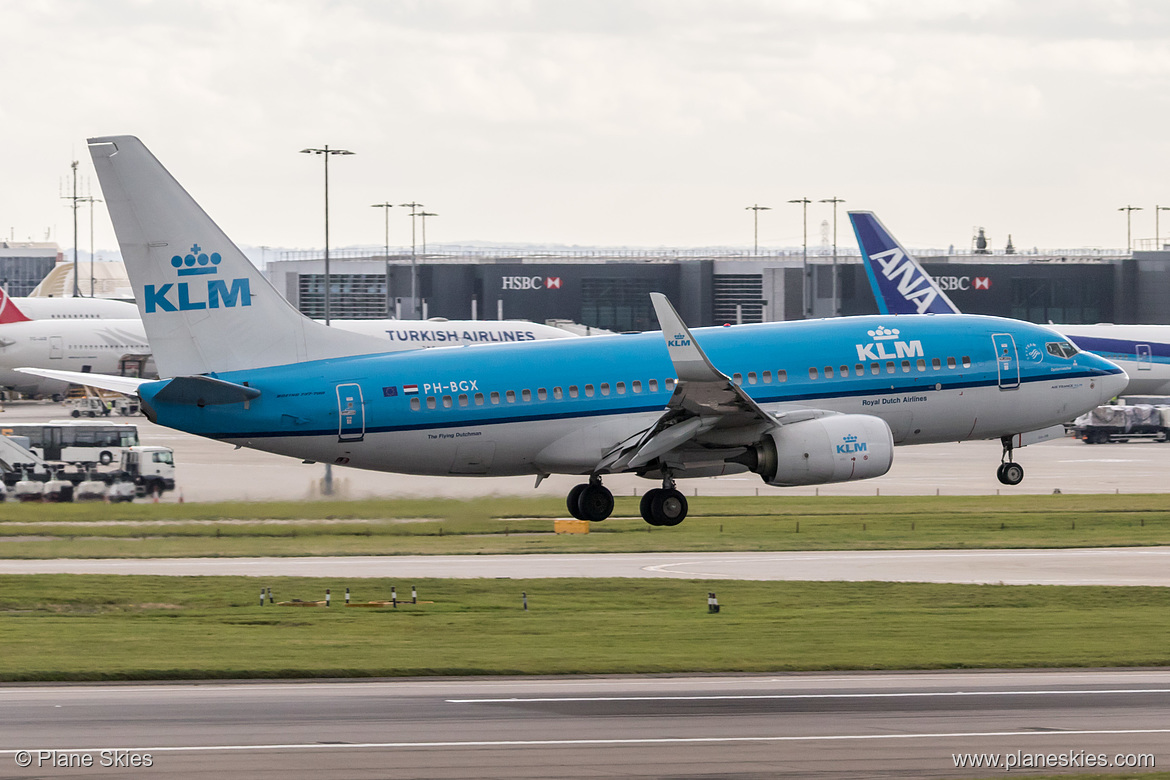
[192, 296]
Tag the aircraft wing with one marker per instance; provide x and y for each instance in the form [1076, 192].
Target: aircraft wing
[706, 403]
[119, 384]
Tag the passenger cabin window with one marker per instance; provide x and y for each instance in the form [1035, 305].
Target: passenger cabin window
[431, 402]
[511, 396]
[653, 385]
[950, 362]
[921, 364]
[636, 386]
[890, 367]
[621, 388]
[751, 377]
[737, 378]
[966, 362]
[605, 388]
[812, 373]
[572, 391]
[447, 402]
[935, 363]
[526, 395]
[670, 384]
[415, 404]
[828, 372]
[782, 375]
[542, 394]
[875, 368]
[479, 399]
[557, 394]
[495, 396]
[844, 371]
[589, 391]
[463, 399]
[767, 377]
[1061, 349]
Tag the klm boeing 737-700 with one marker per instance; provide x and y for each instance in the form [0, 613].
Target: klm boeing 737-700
[798, 403]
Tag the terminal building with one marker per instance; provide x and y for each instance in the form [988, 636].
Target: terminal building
[23, 264]
[610, 289]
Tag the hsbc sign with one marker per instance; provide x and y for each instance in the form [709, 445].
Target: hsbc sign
[530, 283]
[947, 283]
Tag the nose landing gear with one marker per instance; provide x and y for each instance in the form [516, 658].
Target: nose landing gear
[591, 501]
[1009, 472]
[664, 506]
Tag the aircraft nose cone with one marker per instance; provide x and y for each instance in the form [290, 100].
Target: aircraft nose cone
[1111, 385]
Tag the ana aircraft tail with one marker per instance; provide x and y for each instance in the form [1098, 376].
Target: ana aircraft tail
[898, 281]
[205, 307]
[9, 312]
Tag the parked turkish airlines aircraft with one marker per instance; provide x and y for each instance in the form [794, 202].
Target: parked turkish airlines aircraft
[901, 286]
[799, 403]
[35, 308]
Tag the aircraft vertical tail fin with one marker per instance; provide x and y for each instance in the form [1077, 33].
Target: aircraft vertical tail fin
[899, 284]
[9, 311]
[204, 305]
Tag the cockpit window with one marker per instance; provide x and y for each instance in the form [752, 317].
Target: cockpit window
[1061, 349]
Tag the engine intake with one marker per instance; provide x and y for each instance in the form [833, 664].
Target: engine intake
[840, 448]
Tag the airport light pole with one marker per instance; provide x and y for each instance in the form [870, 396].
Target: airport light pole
[326, 152]
[414, 207]
[76, 201]
[1129, 210]
[1157, 230]
[423, 216]
[757, 208]
[386, 210]
[804, 287]
[90, 200]
[834, 200]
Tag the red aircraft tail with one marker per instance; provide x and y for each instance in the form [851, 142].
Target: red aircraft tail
[8, 310]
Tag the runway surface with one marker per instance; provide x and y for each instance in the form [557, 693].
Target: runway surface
[1109, 566]
[792, 726]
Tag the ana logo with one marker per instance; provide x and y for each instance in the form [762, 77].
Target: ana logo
[912, 283]
[851, 445]
[881, 337]
[192, 296]
[679, 340]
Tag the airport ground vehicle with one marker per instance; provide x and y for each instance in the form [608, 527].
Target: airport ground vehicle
[141, 470]
[1121, 423]
[73, 441]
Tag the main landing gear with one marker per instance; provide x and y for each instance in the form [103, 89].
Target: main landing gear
[591, 501]
[1009, 472]
[665, 505]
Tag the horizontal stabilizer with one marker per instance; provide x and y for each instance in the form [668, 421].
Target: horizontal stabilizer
[119, 384]
[204, 391]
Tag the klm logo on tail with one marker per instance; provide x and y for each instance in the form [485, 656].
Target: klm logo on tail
[193, 295]
[912, 282]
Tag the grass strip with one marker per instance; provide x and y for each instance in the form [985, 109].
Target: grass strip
[99, 627]
[518, 525]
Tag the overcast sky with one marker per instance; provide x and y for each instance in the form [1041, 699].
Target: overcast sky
[602, 122]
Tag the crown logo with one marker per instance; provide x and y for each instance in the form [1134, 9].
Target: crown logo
[850, 439]
[883, 333]
[197, 262]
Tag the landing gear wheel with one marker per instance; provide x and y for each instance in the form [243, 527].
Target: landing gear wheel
[595, 503]
[647, 506]
[669, 507]
[574, 497]
[1010, 473]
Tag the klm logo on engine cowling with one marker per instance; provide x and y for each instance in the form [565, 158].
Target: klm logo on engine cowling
[880, 348]
[197, 294]
[850, 445]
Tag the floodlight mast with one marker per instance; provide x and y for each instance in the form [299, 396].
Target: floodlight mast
[386, 210]
[806, 303]
[836, 303]
[756, 208]
[326, 152]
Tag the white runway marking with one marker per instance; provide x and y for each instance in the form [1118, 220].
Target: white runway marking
[599, 742]
[751, 696]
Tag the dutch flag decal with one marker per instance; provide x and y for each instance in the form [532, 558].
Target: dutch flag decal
[410, 389]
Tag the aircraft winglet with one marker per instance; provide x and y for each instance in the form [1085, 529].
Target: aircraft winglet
[689, 360]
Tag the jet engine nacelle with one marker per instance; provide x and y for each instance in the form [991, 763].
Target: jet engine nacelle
[839, 448]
